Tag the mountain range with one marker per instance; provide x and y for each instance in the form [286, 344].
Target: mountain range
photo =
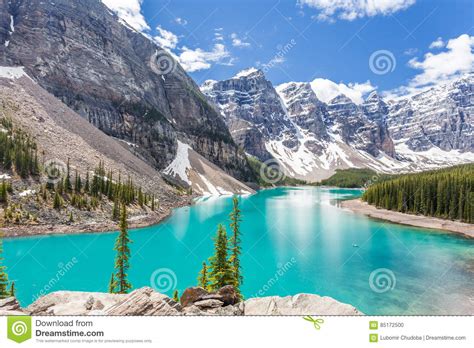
[310, 139]
[81, 55]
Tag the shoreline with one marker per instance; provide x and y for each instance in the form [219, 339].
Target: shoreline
[359, 207]
[21, 231]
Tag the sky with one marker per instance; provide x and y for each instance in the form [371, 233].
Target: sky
[396, 47]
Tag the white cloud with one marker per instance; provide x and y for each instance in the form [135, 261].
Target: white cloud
[130, 12]
[439, 68]
[237, 42]
[218, 36]
[198, 59]
[165, 38]
[446, 65]
[438, 43]
[181, 21]
[353, 9]
[190, 59]
[326, 90]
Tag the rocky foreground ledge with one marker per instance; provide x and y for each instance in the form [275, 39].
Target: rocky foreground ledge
[194, 301]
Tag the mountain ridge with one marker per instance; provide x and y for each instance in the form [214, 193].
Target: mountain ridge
[116, 78]
[316, 138]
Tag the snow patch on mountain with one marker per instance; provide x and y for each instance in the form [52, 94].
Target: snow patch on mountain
[434, 157]
[202, 176]
[180, 165]
[12, 24]
[12, 72]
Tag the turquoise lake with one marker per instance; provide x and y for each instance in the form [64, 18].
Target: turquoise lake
[295, 240]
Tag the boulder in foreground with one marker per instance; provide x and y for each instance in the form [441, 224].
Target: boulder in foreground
[194, 301]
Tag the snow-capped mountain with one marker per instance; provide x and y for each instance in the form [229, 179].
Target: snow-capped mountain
[441, 117]
[253, 112]
[310, 138]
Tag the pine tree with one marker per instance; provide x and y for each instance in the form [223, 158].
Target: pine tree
[122, 262]
[12, 289]
[4, 192]
[116, 210]
[4, 293]
[176, 296]
[221, 273]
[235, 220]
[77, 183]
[67, 179]
[203, 281]
[112, 284]
[140, 197]
[443, 193]
[57, 201]
[87, 185]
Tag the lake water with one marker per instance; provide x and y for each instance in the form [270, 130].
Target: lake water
[295, 240]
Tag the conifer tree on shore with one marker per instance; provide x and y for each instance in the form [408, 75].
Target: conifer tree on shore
[445, 193]
[112, 284]
[176, 296]
[122, 258]
[235, 220]
[221, 272]
[203, 280]
[12, 289]
[4, 292]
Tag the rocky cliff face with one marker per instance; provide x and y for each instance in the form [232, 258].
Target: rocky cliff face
[363, 127]
[442, 117]
[116, 78]
[310, 139]
[306, 111]
[253, 111]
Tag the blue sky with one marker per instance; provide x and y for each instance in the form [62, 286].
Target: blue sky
[304, 40]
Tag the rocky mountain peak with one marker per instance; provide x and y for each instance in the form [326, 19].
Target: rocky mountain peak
[252, 110]
[438, 119]
[249, 73]
[292, 91]
[207, 85]
[341, 99]
[373, 97]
